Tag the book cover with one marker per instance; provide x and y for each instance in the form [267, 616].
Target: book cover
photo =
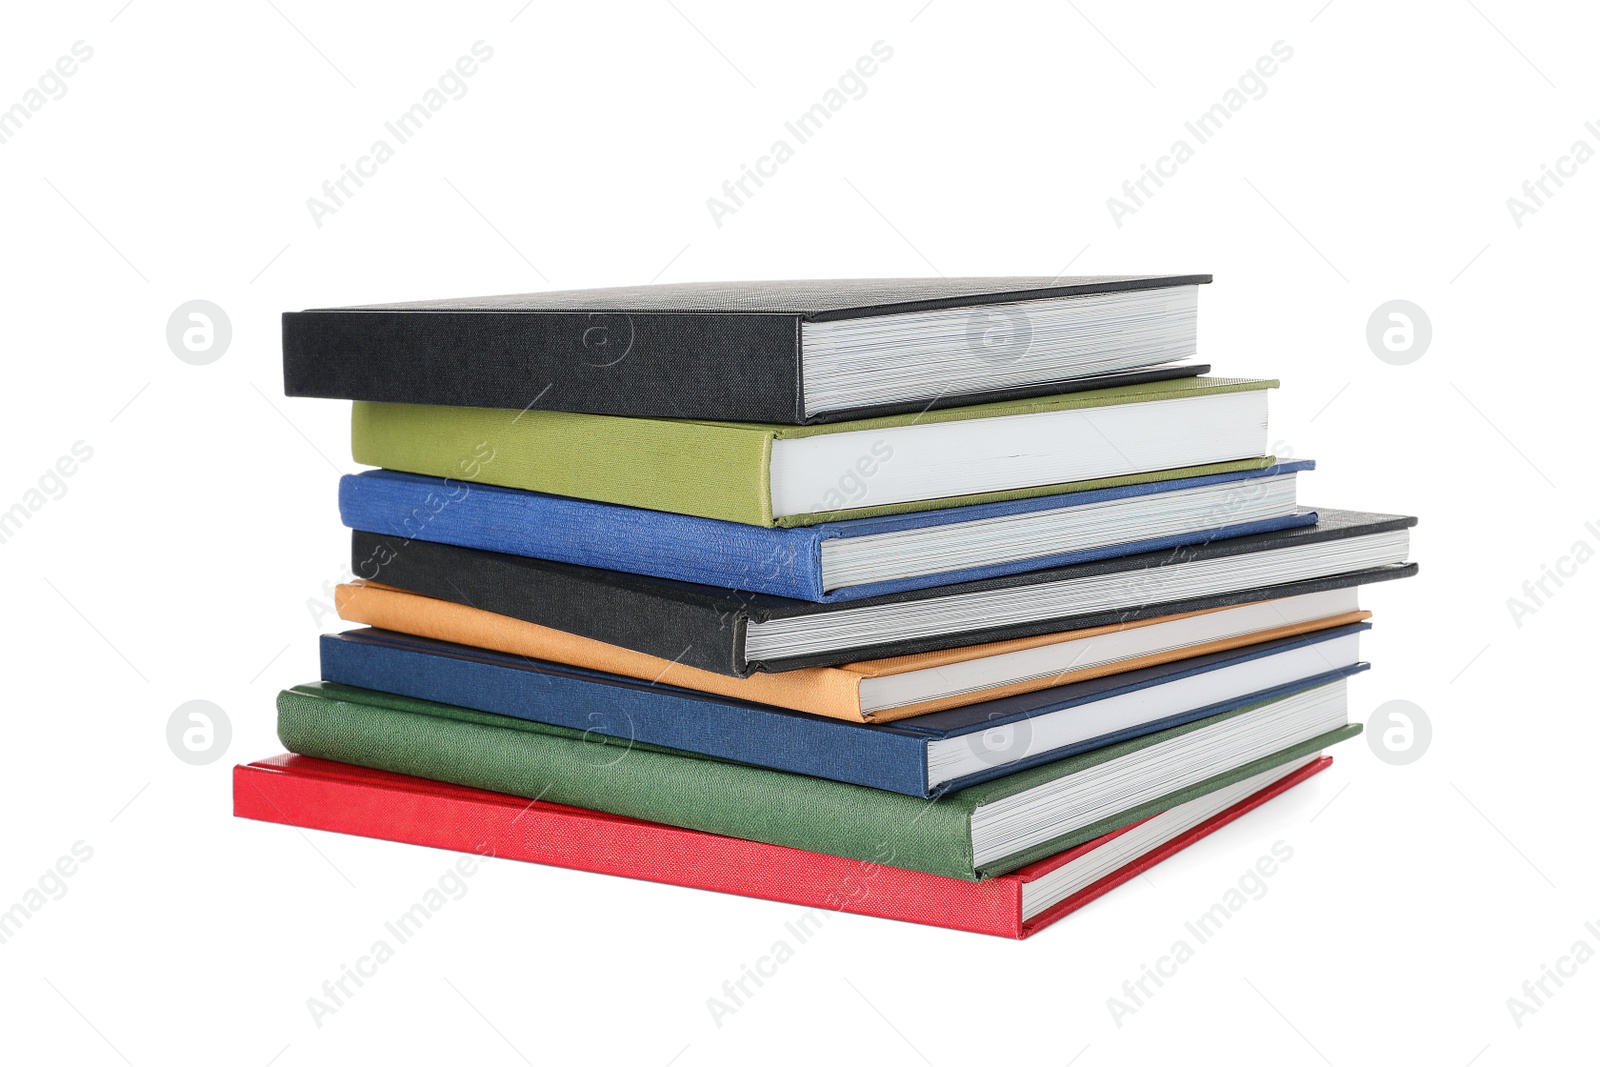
[340, 798]
[542, 762]
[784, 562]
[708, 628]
[892, 756]
[833, 691]
[713, 469]
[697, 350]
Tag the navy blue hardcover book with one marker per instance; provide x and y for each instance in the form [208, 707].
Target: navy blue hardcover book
[832, 561]
[923, 756]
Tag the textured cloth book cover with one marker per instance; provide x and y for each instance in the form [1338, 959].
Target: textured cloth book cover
[832, 691]
[321, 795]
[882, 756]
[534, 760]
[717, 350]
[781, 562]
[705, 627]
[714, 469]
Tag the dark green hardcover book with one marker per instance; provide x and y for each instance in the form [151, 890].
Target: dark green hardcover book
[985, 830]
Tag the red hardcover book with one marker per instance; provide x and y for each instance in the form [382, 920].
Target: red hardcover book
[320, 795]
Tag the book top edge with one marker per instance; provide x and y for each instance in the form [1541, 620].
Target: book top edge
[812, 299]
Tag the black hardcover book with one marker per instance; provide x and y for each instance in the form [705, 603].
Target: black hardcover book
[739, 633]
[790, 352]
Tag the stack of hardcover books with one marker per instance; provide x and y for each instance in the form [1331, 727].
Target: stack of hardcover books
[958, 601]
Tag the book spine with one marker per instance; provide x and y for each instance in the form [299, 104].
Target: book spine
[506, 755]
[584, 601]
[684, 548]
[691, 468]
[876, 757]
[324, 796]
[821, 691]
[636, 364]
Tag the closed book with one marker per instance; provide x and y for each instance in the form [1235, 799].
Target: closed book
[876, 690]
[988, 829]
[832, 561]
[320, 795]
[740, 633]
[924, 756]
[766, 474]
[767, 351]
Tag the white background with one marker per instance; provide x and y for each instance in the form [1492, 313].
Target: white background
[180, 561]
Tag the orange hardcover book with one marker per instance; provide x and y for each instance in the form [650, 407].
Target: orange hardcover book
[876, 690]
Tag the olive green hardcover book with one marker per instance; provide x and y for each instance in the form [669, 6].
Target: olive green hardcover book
[779, 475]
[986, 829]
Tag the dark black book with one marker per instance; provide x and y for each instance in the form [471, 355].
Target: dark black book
[738, 633]
[790, 352]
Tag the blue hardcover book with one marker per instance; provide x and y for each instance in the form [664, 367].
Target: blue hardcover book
[832, 561]
[924, 756]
